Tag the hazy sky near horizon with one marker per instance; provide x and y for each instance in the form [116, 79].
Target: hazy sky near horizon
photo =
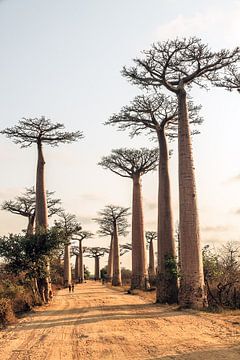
[62, 59]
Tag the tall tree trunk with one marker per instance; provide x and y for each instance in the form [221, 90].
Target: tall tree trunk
[67, 266]
[139, 264]
[97, 268]
[110, 262]
[76, 269]
[192, 290]
[81, 266]
[116, 279]
[167, 288]
[31, 220]
[151, 267]
[41, 199]
[42, 217]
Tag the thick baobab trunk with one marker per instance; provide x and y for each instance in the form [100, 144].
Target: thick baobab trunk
[42, 218]
[139, 265]
[76, 269]
[67, 266]
[192, 289]
[151, 267]
[31, 220]
[81, 266]
[167, 288]
[116, 279]
[110, 262]
[41, 199]
[97, 268]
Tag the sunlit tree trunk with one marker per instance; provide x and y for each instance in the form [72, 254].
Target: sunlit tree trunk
[67, 266]
[41, 198]
[167, 288]
[97, 268]
[30, 227]
[42, 218]
[110, 262]
[116, 280]
[76, 269]
[192, 291]
[139, 265]
[81, 265]
[151, 267]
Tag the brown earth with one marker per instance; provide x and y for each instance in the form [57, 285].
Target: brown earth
[96, 322]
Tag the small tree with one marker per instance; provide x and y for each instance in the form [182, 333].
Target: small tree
[80, 236]
[69, 226]
[176, 65]
[25, 205]
[96, 253]
[106, 228]
[114, 217]
[26, 255]
[133, 164]
[40, 131]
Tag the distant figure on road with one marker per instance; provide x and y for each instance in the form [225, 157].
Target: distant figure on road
[72, 287]
[69, 287]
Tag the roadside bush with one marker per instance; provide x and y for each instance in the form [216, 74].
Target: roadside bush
[222, 276]
[6, 312]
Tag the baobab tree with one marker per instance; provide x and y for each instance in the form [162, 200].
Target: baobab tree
[80, 236]
[131, 163]
[96, 253]
[116, 218]
[25, 205]
[40, 131]
[150, 237]
[176, 65]
[69, 226]
[106, 228]
[157, 115]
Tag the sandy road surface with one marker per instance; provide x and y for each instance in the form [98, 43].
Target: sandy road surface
[98, 323]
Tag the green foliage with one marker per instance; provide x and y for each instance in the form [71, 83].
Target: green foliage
[86, 273]
[28, 253]
[171, 265]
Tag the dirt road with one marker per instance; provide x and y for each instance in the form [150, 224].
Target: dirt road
[98, 323]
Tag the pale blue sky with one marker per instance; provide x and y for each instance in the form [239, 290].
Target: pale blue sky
[62, 59]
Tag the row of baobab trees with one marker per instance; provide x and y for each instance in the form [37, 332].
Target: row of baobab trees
[166, 73]
[71, 230]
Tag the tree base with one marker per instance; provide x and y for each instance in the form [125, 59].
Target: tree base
[191, 297]
[167, 289]
[139, 282]
[116, 282]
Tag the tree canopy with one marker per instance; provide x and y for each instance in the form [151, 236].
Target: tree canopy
[40, 130]
[130, 162]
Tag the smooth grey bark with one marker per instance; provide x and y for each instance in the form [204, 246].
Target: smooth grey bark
[139, 265]
[116, 279]
[42, 218]
[167, 287]
[110, 262]
[30, 226]
[76, 269]
[67, 266]
[192, 292]
[41, 198]
[97, 268]
[81, 265]
[151, 267]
